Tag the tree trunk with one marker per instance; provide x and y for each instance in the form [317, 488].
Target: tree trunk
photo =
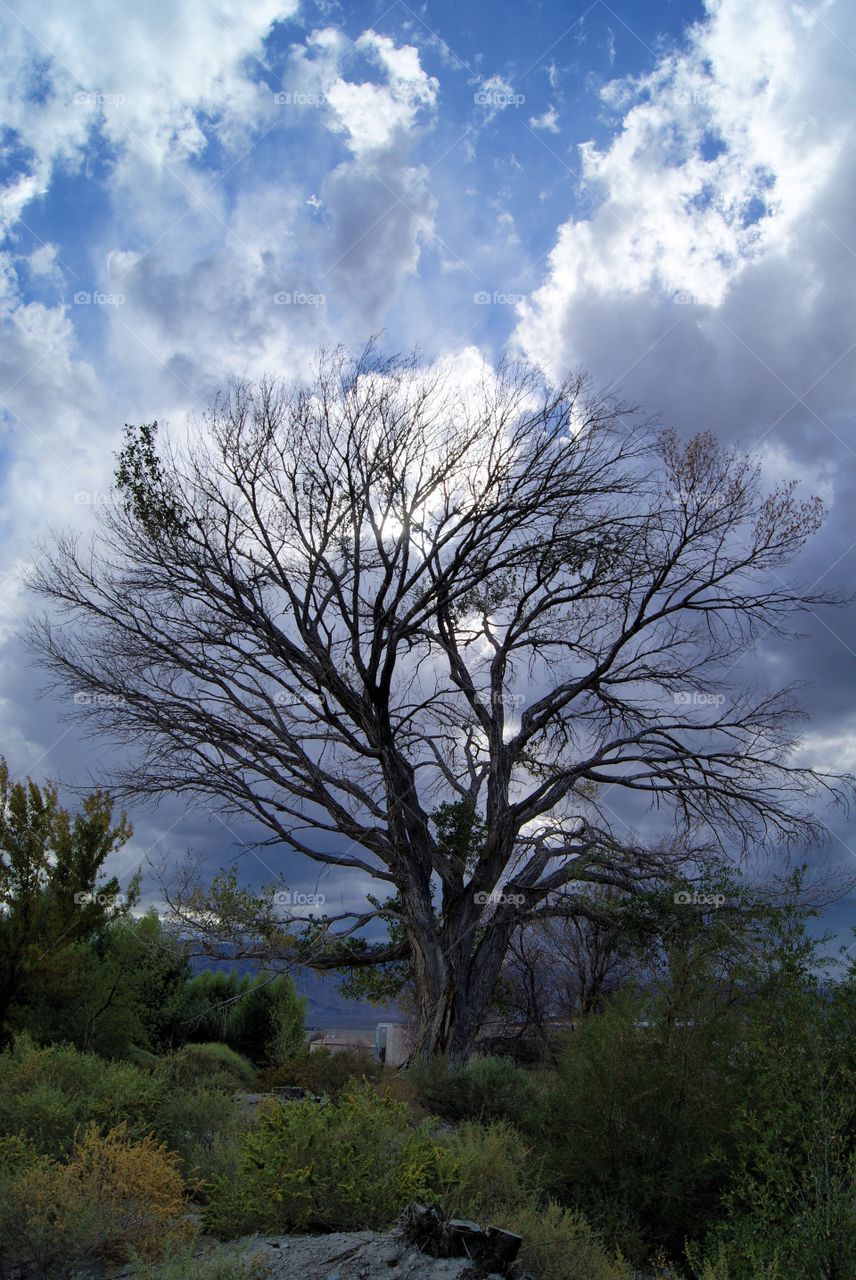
[453, 1006]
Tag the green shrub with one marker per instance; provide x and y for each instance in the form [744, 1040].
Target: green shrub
[791, 1198]
[348, 1165]
[323, 1071]
[495, 1172]
[49, 1093]
[213, 1066]
[485, 1089]
[202, 1126]
[558, 1244]
[112, 1198]
[218, 1263]
[258, 1016]
[641, 1123]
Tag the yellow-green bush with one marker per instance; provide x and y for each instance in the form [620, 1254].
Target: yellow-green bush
[323, 1071]
[485, 1089]
[558, 1244]
[112, 1198]
[213, 1066]
[494, 1172]
[351, 1164]
[48, 1093]
[202, 1126]
[215, 1264]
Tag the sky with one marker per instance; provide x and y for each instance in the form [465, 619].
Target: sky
[660, 192]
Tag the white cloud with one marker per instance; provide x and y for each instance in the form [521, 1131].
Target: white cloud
[153, 79]
[371, 116]
[730, 155]
[548, 121]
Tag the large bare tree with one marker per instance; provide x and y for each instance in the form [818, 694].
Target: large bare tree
[349, 606]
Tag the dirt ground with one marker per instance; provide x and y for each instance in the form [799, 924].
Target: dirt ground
[350, 1255]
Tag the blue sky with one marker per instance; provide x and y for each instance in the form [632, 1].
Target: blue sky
[660, 192]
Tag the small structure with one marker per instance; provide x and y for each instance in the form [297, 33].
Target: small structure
[393, 1043]
[361, 1039]
[389, 1042]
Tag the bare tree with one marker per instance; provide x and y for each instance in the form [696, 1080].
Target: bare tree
[347, 604]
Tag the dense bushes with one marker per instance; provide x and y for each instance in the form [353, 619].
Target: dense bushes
[113, 1197]
[258, 1015]
[350, 1164]
[323, 1072]
[486, 1089]
[706, 1120]
[206, 1066]
[358, 1162]
[642, 1118]
[48, 1094]
[791, 1197]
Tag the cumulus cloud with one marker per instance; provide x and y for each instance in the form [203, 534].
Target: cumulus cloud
[158, 78]
[713, 280]
[718, 238]
[373, 116]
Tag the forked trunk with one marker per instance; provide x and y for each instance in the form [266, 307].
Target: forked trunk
[452, 1009]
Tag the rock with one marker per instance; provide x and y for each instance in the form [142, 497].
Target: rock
[492, 1250]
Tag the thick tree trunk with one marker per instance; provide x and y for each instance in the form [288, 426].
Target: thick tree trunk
[452, 1006]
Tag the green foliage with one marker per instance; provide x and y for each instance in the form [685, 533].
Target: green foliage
[791, 1200]
[559, 1244]
[218, 1263]
[260, 1016]
[348, 1165]
[485, 1089]
[642, 1120]
[460, 833]
[147, 495]
[48, 1093]
[324, 1071]
[215, 1066]
[383, 981]
[110, 1198]
[50, 897]
[460, 837]
[202, 1125]
[495, 1172]
[124, 991]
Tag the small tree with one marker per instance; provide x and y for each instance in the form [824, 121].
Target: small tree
[50, 895]
[351, 602]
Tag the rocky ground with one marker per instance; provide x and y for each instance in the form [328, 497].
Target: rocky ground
[352, 1255]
